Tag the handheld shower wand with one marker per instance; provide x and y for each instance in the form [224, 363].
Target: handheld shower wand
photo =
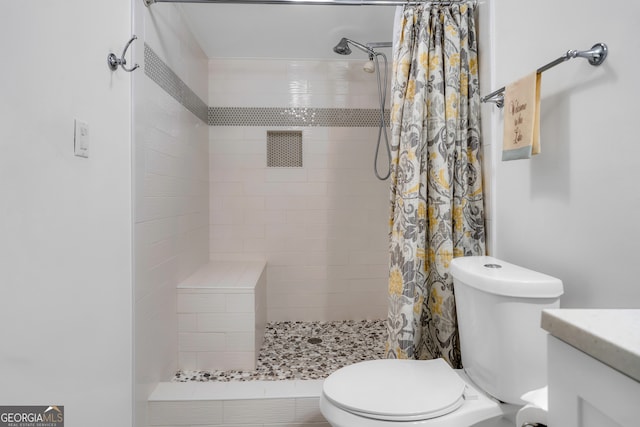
[370, 66]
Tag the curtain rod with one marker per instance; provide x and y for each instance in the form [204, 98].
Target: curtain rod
[313, 2]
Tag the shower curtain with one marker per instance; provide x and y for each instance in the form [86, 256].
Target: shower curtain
[436, 183]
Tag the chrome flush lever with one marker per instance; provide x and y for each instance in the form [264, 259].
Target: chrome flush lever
[113, 61]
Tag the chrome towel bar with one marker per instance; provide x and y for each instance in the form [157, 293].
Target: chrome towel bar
[596, 56]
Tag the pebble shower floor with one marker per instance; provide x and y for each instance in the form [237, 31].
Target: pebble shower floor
[305, 351]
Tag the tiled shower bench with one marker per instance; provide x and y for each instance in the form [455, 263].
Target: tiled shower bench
[222, 316]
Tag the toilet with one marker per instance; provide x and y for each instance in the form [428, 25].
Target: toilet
[503, 353]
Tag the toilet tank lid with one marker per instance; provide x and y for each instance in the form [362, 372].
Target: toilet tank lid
[498, 277]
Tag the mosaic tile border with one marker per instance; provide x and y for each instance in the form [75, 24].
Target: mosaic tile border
[158, 71]
[298, 117]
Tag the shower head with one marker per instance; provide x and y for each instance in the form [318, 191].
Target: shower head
[343, 48]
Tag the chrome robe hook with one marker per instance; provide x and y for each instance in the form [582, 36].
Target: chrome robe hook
[113, 61]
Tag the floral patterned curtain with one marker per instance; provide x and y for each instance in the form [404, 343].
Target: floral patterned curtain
[436, 182]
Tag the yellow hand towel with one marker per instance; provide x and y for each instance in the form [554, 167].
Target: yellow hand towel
[522, 118]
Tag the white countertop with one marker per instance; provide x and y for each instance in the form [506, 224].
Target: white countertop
[611, 336]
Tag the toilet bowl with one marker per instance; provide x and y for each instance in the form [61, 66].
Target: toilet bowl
[503, 351]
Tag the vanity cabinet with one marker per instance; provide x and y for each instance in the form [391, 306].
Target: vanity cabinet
[593, 367]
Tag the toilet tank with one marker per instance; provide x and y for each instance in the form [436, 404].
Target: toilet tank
[499, 308]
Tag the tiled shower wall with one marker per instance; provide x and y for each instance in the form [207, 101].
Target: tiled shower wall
[171, 186]
[322, 227]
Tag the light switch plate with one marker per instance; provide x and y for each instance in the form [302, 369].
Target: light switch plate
[81, 139]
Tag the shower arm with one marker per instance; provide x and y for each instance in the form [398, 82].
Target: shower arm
[369, 47]
[365, 48]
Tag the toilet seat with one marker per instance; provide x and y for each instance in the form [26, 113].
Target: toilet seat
[396, 390]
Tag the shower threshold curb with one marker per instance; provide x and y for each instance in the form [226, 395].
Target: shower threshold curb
[276, 403]
[236, 390]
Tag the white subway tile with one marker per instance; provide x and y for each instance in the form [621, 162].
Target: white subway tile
[265, 189]
[308, 388]
[225, 134]
[299, 203]
[240, 341]
[217, 189]
[193, 221]
[296, 272]
[305, 189]
[308, 410]
[238, 147]
[242, 203]
[280, 389]
[301, 314]
[169, 391]
[155, 208]
[264, 216]
[201, 303]
[187, 412]
[237, 161]
[311, 299]
[211, 360]
[240, 303]
[308, 285]
[309, 217]
[226, 246]
[286, 174]
[227, 360]
[227, 217]
[303, 259]
[254, 246]
[367, 271]
[335, 285]
[221, 174]
[187, 360]
[236, 231]
[154, 279]
[160, 252]
[161, 164]
[259, 411]
[317, 147]
[187, 322]
[290, 231]
[201, 341]
[225, 322]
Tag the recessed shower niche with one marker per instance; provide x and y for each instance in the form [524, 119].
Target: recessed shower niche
[284, 149]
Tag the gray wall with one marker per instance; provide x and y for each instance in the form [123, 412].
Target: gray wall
[573, 210]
